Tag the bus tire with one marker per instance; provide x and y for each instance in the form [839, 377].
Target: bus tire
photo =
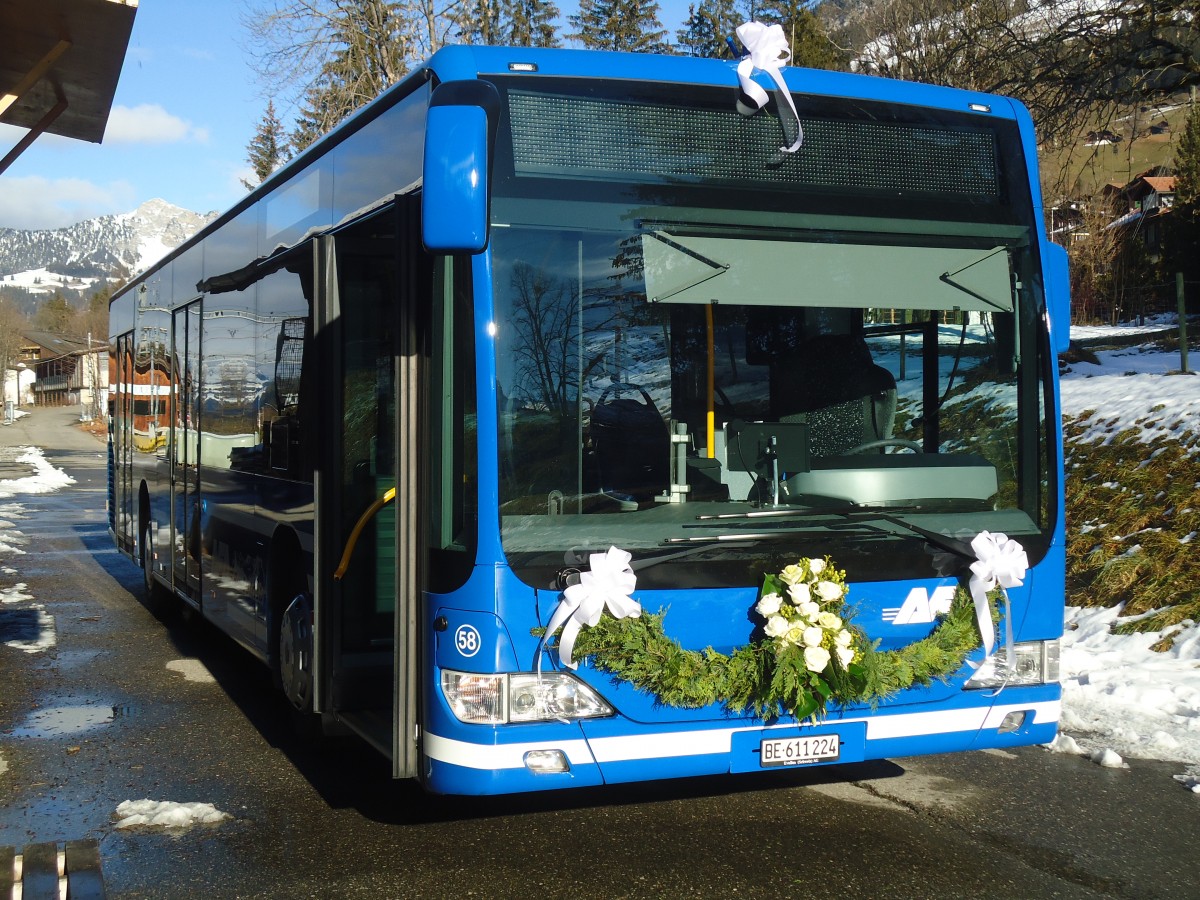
[294, 653]
[155, 595]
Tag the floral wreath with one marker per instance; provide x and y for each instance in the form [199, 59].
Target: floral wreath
[812, 653]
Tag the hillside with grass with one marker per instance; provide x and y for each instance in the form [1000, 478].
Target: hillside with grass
[1132, 434]
[1143, 138]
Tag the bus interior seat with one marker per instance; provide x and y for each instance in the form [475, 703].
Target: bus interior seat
[846, 398]
[631, 444]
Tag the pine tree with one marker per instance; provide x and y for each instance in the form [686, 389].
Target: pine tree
[705, 31]
[1183, 234]
[619, 25]
[1187, 164]
[321, 111]
[530, 23]
[54, 314]
[371, 40]
[268, 149]
[515, 23]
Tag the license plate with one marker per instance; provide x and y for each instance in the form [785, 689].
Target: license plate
[799, 751]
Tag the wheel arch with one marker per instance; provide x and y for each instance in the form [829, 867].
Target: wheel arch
[289, 571]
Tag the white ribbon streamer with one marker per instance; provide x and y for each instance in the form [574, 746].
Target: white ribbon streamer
[768, 50]
[609, 583]
[999, 560]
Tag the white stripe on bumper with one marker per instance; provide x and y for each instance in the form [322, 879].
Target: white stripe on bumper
[704, 742]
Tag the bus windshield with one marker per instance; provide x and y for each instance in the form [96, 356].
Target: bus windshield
[734, 356]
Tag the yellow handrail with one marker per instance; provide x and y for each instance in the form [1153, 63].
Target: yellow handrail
[366, 517]
[711, 384]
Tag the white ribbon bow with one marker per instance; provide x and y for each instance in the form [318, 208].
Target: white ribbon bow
[999, 560]
[769, 50]
[609, 583]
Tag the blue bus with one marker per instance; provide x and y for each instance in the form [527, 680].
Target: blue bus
[496, 421]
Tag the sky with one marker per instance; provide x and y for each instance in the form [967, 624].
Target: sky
[1122, 702]
[186, 106]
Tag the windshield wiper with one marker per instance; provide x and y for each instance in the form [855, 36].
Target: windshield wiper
[570, 574]
[803, 513]
[853, 519]
[709, 540]
[857, 515]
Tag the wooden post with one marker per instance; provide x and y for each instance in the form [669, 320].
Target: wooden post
[1183, 347]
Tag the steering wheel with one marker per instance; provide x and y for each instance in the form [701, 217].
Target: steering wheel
[903, 443]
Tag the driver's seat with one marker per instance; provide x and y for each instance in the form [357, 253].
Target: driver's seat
[844, 396]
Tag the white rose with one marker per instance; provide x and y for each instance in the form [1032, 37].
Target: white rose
[800, 593]
[843, 638]
[813, 635]
[791, 574]
[828, 591]
[769, 605]
[845, 656]
[829, 620]
[777, 626]
[816, 658]
[795, 635]
[816, 566]
[809, 610]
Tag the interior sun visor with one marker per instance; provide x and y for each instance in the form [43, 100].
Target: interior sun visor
[694, 269]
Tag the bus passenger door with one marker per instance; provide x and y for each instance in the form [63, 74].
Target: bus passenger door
[185, 451]
[366, 493]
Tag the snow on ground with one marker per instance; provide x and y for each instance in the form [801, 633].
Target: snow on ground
[166, 814]
[1148, 325]
[24, 624]
[1127, 389]
[43, 281]
[1121, 696]
[1122, 700]
[46, 477]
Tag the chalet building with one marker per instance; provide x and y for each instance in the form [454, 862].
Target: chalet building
[67, 371]
[1146, 200]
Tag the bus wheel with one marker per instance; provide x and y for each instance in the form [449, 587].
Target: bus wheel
[296, 652]
[154, 593]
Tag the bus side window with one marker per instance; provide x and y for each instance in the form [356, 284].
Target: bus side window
[284, 299]
[453, 500]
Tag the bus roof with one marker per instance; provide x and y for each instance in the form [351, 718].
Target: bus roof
[467, 61]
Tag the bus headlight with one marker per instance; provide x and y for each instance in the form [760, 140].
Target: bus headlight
[556, 695]
[1034, 662]
[520, 697]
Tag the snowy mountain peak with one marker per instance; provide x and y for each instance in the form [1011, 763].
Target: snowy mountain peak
[79, 257]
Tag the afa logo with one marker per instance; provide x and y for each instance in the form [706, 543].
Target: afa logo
[921, 607]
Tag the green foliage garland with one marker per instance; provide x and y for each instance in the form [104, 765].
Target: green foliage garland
[767, 679]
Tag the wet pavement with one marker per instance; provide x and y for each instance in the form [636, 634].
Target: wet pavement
[118, 705]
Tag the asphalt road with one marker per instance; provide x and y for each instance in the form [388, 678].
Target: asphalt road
[109, 714]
